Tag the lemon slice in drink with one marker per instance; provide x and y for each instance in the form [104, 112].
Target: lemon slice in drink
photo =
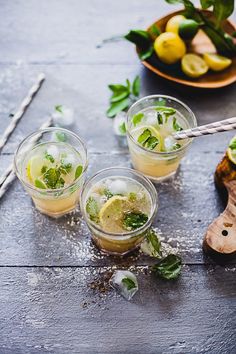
[217, 62]
[152, 132]
[34, 167]
[193, 65]
[112, 213]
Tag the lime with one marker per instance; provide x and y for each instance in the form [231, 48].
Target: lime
[154, 133]
[193, 65]
[169, 47]
[40, 184]
[217, 62]
[188, 29]
[231, 151]
[112, 213]
[173, 23]
[34, 167]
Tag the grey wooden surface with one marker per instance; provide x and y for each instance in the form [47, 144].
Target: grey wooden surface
[54, 291]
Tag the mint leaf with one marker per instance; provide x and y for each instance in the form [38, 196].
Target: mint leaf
[51, 177]
[122, 128]
[58, 108]
[154, 241]
[137, 118]
[144, 136]
[49, 157]
[159, 118]
[119, 92]
[61, 136]
[92, 209]
[65, 167]
[161, 102]
[132, 196]
[39, 184]
[134, 220]
[176, 146]
[169, 267]
[78, 171]
[168, 111]
[136, 86]
[151, 142]
[117, 107]
[232, 144]
[176, 126]
[43, 169]
[129, 283]
[107, 193]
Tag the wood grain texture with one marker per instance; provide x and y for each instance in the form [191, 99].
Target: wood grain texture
[47, 266]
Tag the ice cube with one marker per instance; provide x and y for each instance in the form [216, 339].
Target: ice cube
[118, 187]
[169, 143]
[119, 124]
[53, 151]
[63, 117]
[151, 118]
[125, 282]
[69, 159]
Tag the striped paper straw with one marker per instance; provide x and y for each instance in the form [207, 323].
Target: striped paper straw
[212, 128]
[21, 110]
[8, 175]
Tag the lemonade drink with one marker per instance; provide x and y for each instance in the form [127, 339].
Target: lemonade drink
[52, 169]
[118, 205]
[151, 123]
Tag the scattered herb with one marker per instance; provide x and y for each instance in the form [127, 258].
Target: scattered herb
[49, 157]
[134, 220]
[123, 96]
[137, 118]
[169, 267]
[58, 108]
[176, 126]
[39, 184]
[122, 128]
[78, 171]
[129, 283]
[143, 41]
[92, 209]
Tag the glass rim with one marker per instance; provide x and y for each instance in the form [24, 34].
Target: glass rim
[50, 190]
[128, 234]
[160, 153]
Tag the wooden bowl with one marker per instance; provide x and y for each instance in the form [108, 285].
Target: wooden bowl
[200, 44]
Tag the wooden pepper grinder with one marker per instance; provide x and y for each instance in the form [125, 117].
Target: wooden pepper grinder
[220, 238]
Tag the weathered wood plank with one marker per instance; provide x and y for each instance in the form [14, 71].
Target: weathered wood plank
[187, 206]
[85, 89]
[54, 310]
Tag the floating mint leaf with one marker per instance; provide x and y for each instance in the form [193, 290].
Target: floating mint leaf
[168, 268]
[134, 220]
[49, 157]
[107, 193]
[51, 177]
[137, 118]
[43, 169]
[136, 86]
[92, 209]
[65, 167]
[176, 146]
[168, 111]
[176, 126]
[125, 282]
[60, 136]
[78, 171]
[151, 142]
[144, 136]
[159, 118]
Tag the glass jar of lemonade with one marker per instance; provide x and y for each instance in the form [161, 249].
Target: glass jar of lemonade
[119, 205]
[51, 165]
[151, 122]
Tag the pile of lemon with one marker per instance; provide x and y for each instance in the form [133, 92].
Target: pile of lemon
[170, 47]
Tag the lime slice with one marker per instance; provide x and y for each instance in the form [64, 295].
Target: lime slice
[34, 167]
[193, 65]
[154, 133]
[40, 184]
[112, 213]
[217, 62]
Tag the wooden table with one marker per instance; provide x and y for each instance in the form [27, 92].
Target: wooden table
[53, 282]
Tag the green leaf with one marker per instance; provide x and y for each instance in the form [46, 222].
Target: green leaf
[137, 118]
[144, 136]
[43, 169]
[232, 144]
[108, 194]
[168, 111]
[159, 118]
[154, 243]
[154, 31]
[160, 103]
[169, 267]
[176, 146]
[119, 92]
[92, 209]
[222, 9]
[129, 283]
[205, 4]
[65, 167]
[122, 128]
[132, 196]
[58, 108]
[78, 171]
[128, 84]
[143, 42]
[51, 177]
[39, 184]
[151, 142]
[61, 136]
[176, 126]
[49, 157]
[134, 220]
[136, 86]
[117, 107]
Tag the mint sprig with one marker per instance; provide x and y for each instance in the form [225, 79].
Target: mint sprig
[123, 96]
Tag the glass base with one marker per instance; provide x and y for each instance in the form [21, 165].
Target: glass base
[113, 253]
[157, 180]
[55, 215]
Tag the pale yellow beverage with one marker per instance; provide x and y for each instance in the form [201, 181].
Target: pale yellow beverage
[151, 123]
[118, 205]
[52, 170]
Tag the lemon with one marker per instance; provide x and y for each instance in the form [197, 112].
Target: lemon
[34, 168]
[188, 29]
[138, 131]
[193, 65]
[169, 47]
[112, 213]
[173, 23]
[217, 62]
